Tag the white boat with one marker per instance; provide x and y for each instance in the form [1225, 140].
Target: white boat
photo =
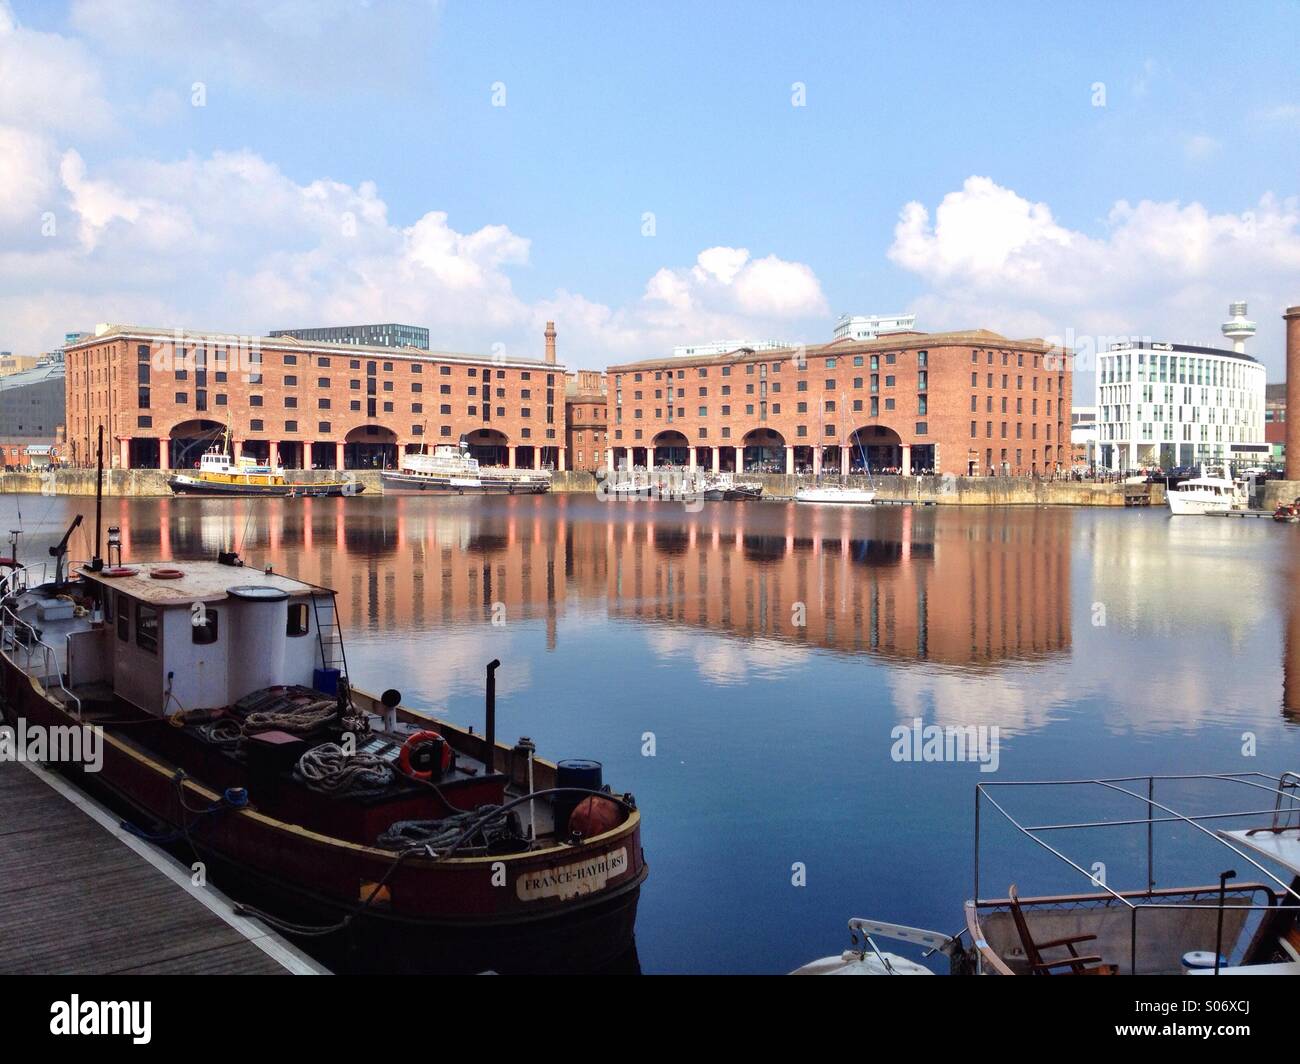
[1207, 494]
[1220, 924]
[835, 496]
[451, 470]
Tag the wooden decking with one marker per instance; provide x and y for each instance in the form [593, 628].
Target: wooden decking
[80, 896]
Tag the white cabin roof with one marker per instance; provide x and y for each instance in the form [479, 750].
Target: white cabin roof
[1283, 847]
[201, 581]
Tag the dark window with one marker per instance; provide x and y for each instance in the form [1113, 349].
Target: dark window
[146, 627]
[299, 623]
[291, 426]
[255, 424]
[323, 426]
[144, 421]
[203, 626]
[254, 400]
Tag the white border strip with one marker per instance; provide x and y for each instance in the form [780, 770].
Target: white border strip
[283, 953]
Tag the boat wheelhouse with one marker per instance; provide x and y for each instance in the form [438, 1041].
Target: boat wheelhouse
[229, 722]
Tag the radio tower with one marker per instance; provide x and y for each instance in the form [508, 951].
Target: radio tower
[1238, 328]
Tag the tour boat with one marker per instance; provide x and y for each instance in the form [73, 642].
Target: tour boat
[1206, 494]
[452, 470]
[229, 726]
[835, 495]
[1219, 925]
[220, 474]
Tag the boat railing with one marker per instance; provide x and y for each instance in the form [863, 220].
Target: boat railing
[22, 644]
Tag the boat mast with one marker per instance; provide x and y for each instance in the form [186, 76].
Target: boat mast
[97, 563]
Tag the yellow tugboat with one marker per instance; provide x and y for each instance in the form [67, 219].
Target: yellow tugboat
[220, 474]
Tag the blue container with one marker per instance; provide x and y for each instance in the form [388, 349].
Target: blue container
[326, 681]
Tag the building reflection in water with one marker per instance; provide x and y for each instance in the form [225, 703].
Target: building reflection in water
[978, 587]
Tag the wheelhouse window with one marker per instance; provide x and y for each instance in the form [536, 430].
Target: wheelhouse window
[299, 622]
[203, 626]
[146, 627]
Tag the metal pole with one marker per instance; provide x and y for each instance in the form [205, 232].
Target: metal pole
[97, 563]
[1218, 938]
[489, 754]
[1151, 868]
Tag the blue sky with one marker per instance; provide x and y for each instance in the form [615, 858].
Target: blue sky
[1039, 213]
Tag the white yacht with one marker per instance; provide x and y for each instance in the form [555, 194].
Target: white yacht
[1207, 494]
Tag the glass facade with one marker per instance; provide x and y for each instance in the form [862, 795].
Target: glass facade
[372, 335]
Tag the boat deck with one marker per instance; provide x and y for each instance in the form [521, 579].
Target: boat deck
[80, 896]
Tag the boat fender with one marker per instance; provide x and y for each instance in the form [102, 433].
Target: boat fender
[409, 752]
[167, 574]
[594, 816]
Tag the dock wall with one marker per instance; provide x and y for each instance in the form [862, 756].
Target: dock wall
[951, 491]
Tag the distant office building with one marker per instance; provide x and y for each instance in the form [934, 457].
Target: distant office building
[1165, 405]
[11, 363]
[1275, 422]
[868, 327]
[725, 347]
[366, 335]
[32, 406]
[1083, 434]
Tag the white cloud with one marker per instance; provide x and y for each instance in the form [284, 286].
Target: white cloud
[48, 83]
[1162, 269]
[1201, 146]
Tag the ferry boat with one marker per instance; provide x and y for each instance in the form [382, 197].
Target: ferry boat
[835, 496]
[1206, 494]
[452, 470]
[220, 474]
[1219, 925]
[230, 726]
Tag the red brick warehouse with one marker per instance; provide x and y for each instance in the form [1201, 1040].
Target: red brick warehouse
[164, 396]
[963, 402]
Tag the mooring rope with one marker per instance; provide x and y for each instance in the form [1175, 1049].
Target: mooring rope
[328, 769]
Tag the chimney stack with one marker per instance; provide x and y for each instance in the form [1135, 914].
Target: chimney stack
[550, 343]
[1292, 317]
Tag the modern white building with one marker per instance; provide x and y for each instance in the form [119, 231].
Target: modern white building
[722, 347]
[1165, 405]
[868, 327]
[1083, 433]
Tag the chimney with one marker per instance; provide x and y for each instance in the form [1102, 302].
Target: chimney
[550, 342]
[1292, 393]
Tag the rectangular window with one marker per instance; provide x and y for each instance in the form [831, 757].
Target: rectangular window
[299, 622]
[203, 631]
[146, 627]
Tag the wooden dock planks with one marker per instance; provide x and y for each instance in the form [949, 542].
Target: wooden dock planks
[76, 899]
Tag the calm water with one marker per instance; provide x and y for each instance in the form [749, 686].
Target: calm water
[1097, 642]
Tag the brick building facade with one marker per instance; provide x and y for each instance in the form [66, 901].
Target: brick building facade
[164, 396]
[586, 419]
[963, 403]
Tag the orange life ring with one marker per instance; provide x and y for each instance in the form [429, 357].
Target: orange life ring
[167, 574]
[408, 747]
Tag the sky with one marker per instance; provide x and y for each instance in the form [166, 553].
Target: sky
[648, 175]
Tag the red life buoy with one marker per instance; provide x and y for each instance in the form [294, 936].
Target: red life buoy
[167, 574]
[408, 748]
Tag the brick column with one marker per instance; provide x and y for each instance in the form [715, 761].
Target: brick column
[844, 461]
[740, 459]
[611, 460]
[559, 464]
[164, 458]
[537, 457]
[273, 459]
[124, 448]
[690, 458]
[338, 456]
[817, 460]
[906, 463]
[1293, 393]
[789, 461]
[511, 459]
[717, 459]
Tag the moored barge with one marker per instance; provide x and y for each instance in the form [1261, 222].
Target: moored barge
[229, 726]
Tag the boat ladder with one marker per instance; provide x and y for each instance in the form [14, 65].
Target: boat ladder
[329, 634]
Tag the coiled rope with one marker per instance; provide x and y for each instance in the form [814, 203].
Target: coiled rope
[327, 769]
